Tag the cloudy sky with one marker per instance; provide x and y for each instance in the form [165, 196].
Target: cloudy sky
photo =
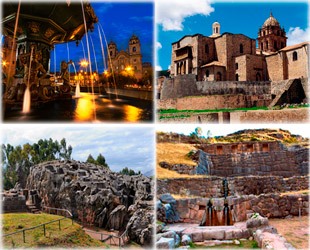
[224, 129]
[119, 20]
[246, 17]
[122, 146]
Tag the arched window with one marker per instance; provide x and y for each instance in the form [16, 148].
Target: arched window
[241, 48]
[134, 49]
[217, 30]
[295, 56]
[111, 52]
[258, 77]
[236, 65]
[261, 46]
[218, 76]
[264, 33]
[207, 73]
[237, 77]
[207, 49]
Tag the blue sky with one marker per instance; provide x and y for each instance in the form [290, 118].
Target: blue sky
[122, 146]
[119, 20]
[197, 16]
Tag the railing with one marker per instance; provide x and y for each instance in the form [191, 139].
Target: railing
[58, 210]
[111, 239]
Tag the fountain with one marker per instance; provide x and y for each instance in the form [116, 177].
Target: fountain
[43, 26]
[36, 29]
[217, 211]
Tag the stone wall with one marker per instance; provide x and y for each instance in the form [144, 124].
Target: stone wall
[245, 185]
[13, 202]
[300, 115]
[267, 205]
[97, 196]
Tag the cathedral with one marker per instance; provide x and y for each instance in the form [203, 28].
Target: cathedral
[235, 57]
[126, 62]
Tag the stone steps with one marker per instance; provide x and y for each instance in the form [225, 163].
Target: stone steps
[33, 209]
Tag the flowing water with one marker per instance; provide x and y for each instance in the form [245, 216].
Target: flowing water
[27, 94]
[81, 110]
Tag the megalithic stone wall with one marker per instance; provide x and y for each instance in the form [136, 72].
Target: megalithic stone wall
[96, 195]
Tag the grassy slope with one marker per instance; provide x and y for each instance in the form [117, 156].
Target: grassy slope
[173, 153]
[69, 235]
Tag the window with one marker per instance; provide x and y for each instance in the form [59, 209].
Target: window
[135, 68]
[275, 45]
[207, 49]
[236, 65]
[258, 77]
[267, 45]
[217, 30]
[264, 33]
[134, 49]
[278, 33]
[295, 57]
[207, 73]
[111, 52]
[237, 77]
[262, 46]
[241, 48]
[218, 76]
[282, 45]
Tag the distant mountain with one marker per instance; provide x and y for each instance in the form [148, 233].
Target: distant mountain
[149, 173]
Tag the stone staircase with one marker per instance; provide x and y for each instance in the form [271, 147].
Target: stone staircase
[32, 208]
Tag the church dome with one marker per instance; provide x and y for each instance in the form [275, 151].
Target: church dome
[271, 21]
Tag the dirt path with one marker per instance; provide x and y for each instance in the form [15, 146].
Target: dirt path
[295, 230]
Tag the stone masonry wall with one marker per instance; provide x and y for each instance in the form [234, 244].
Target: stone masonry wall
[268, 205]
[245, 185]
[300, 115]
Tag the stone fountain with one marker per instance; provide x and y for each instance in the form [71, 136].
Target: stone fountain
[39, 28]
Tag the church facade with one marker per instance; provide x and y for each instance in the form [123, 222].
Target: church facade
[235, 57]
[127, 62]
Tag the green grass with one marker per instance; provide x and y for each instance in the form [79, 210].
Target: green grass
[244, 244]
[69, 235]
[174, 111]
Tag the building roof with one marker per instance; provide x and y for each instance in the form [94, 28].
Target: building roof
[214, 63]
[296, 46]
[271, 21]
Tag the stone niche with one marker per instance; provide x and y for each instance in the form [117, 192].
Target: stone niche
[255, 158]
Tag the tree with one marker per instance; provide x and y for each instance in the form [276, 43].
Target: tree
[126, 171]
[16, 161]
[90, 159]
[101, 160]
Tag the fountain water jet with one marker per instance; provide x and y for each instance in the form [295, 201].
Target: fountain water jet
[109, 58]
[90, 67]
[27, 94]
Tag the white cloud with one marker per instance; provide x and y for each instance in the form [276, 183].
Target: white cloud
[171, 14]
[297, 35]
[158, 68]
[158, 45]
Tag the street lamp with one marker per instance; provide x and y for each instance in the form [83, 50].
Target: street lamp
[84, 63]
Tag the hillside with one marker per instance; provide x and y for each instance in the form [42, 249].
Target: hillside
[176, 148]
[69, 235]
[281, 135]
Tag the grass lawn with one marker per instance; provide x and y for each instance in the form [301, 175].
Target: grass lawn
[68, 236]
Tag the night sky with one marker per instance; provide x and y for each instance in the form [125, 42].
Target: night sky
[119, 21]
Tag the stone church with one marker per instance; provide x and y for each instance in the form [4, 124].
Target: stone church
[235, 57]
[129, 61]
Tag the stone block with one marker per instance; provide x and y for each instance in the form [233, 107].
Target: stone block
[214, 234]
[165, 243]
